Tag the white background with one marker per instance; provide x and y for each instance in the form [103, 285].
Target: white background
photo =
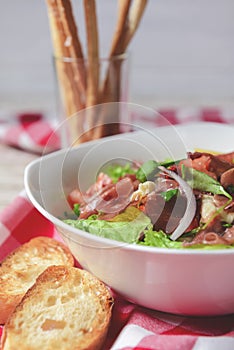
[182, 54]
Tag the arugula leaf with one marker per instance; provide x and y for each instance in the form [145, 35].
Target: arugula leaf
[150, 168]
[115, 171]
[147, 170]
[230, 189]
[76, 209]
[227, 225]
[202, 182]
[167, 195]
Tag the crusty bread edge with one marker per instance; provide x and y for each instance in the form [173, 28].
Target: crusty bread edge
[9, 302]
[100, 335]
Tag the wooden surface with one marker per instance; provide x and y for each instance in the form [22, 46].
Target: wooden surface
[12, 165]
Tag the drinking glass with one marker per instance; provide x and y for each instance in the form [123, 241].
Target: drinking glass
[83, 85]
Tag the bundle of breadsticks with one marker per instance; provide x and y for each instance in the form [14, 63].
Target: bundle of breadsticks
[78, 70]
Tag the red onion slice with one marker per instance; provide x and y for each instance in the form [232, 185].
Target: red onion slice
[191, 204]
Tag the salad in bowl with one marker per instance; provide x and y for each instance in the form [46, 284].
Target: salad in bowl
[149, 213]
[186, 203]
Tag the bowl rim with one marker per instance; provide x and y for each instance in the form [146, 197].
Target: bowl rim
[111, 243]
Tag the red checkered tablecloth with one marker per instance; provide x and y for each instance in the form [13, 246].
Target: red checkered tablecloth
[132, 326]
[33, 131]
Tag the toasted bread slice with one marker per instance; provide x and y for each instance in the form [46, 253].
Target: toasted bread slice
[19, 270]
[67, 308]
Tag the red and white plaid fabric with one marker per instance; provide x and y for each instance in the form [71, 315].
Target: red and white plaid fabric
[132, 326]
[34, 131]
[29, 131]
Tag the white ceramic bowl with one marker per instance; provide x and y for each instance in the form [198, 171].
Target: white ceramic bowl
[189, 282]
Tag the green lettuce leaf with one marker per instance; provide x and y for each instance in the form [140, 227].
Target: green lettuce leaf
[124, 231]
[159, 239]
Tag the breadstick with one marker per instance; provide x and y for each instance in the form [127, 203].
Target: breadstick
[128, 21]
[108, 91]
[71, 80]
[93, 52]
[135, 15]
[72, 42]
[92, 96]
[121, 26]
[129, 16]
[80, 80]
[71, 75]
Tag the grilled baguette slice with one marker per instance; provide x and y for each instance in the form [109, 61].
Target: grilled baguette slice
[19, 270]
[67, 308]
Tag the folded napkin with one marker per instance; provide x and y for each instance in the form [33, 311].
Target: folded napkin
[37, 132]
[132, 326]
[30, 131]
